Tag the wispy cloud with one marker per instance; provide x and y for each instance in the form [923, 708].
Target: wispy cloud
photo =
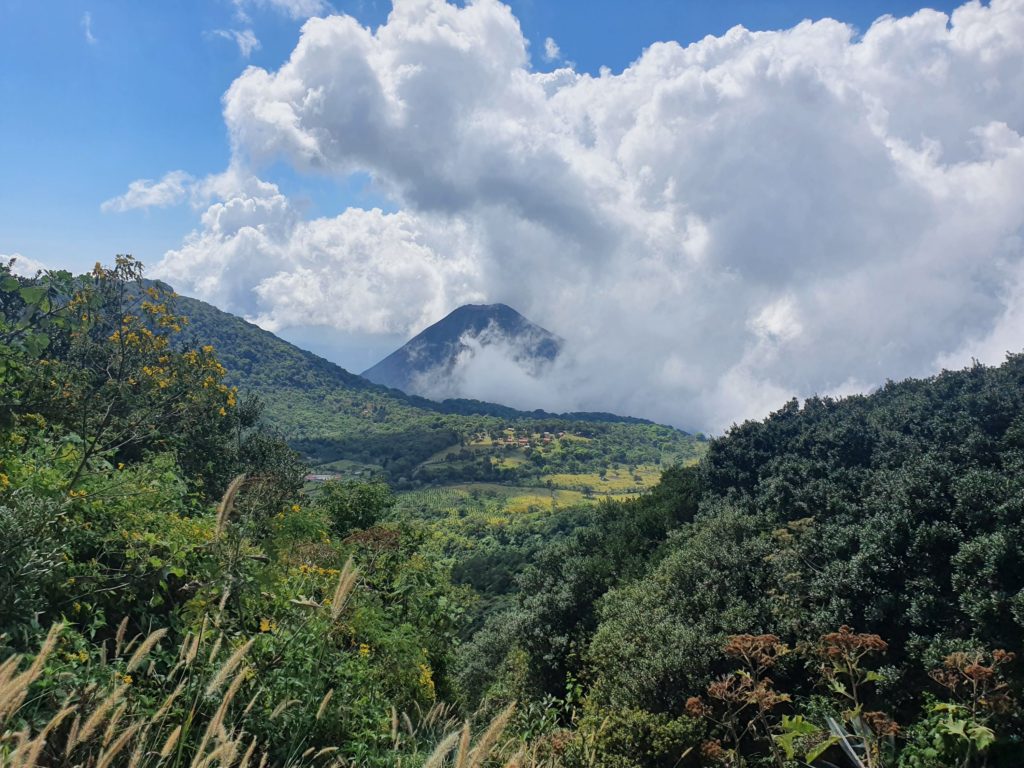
[90, 38]
[245, 39]
[172, 189]
[551, 50]
[295, 9]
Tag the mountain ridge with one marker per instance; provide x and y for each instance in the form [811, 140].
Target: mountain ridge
[436, 350]
[331, 415]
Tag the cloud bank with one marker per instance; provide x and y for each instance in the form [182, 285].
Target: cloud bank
[714, 229]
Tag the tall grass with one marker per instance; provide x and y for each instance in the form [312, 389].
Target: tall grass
[202, 720]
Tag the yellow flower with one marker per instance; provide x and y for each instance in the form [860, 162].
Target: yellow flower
[364, 649]
[296, 508]
[267, 625]
[223, 412]
[427, 679]
[126, 679]
[4, 480]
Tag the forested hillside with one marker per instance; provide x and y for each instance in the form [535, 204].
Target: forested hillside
[836, 585]
[899, 514]
[331, 415]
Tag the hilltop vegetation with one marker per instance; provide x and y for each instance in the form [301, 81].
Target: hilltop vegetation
[837, 585]
[900, 514]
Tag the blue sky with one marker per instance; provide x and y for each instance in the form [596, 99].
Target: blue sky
[84, 117]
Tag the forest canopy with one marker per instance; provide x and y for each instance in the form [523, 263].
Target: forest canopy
[836, 585]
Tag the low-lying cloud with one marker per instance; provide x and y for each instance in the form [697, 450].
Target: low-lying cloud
[712, 230]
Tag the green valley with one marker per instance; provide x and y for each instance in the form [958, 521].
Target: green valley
[346, 424]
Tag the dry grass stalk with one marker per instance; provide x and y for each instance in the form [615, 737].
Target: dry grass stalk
[193, 649]
[227, 503]
[108, 734]
[119, 637]
[143, 650]
[14, 689]
[33, 749]
[217, 722]
[442, 750]
[168, 703]
[486, 743]
[7, 669]
[131, 644]
[346, 581]
[99, 715]
[283, 706]
[140, 746]
[170, 743]
[216, 648]
[247, 756]
[72, 739]
[463, 753]
[252, 702]
[228, 667]
[107, 757]
[323, 703]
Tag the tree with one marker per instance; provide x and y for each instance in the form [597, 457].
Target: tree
[352, 505]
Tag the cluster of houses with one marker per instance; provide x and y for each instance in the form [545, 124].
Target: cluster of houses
[321, 478]
[509, 439]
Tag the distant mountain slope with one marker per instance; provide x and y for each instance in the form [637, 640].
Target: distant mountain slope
[435, 350]
[333, 415]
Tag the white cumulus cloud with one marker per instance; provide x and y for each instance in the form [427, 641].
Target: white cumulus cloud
[712, 230]
[363, 271]
[22, 265]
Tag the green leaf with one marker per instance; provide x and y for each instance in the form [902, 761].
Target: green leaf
[798, 725]
[954, 727]
[821, 749]
[982, 736]
[31, 294]
[35, 343]
[785, 740]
